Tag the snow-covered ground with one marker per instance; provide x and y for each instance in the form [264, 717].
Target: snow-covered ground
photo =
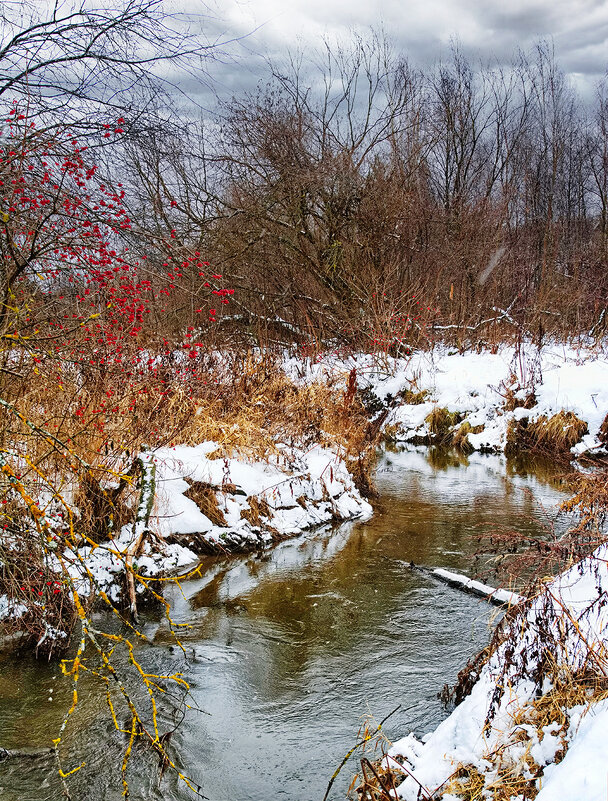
[523, 725]
[476, 386]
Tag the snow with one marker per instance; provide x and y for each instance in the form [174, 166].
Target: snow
[582, 773]
[10, 609]
[300, 489]
[503, 596]
[568, 618]
[475, 385]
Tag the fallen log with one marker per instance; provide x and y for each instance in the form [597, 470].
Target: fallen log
[493, 595]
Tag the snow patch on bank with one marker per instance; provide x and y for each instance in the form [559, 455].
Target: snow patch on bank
[476, 385]
[254, 503]
[293, 491]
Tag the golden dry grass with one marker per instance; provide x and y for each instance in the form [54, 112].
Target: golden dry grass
[441, 422]
[204, 496]
[554, 435]
[590, 502]
[412, 397]
[559, 432]
[259, 511]
[512, 773]
[466, 783]
[245, 408]
[461, 436]
[83, 435]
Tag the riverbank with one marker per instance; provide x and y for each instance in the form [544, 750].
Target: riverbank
[505, 398]
[534, 719]
[288, 648]
[205, 504]
[193, 501]
[207, 497]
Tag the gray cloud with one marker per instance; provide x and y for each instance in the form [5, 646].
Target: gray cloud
[489, 30]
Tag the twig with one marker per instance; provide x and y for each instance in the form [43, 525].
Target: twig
[373, 770]
[365, 739]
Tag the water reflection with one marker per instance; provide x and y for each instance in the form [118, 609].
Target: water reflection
[287, 652]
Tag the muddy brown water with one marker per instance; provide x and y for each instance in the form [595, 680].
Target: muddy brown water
[287, 653]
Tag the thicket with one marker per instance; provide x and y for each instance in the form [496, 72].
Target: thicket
[363, 200]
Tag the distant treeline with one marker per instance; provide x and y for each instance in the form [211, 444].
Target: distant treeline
[360, 197]
[351, 198]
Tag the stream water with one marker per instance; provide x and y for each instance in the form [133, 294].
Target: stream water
[287, 653]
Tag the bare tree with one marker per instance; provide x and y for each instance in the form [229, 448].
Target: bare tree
[596, 143]
[300, 157]
[83, 58]
[350, 176]
[459, 126]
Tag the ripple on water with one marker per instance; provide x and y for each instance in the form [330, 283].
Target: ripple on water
[287, 655]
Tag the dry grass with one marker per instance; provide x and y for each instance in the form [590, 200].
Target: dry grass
[258, 513]
[570, 689]
[511, 392]
[512, 773]
[590, 502]
[470, 785]
[246, 405]
[461, 437]
[205, 497]
[441, 422]
[378, 780]
[412, 397]
[466, 783]
[72, 444]
[559, 432]
[554, 435]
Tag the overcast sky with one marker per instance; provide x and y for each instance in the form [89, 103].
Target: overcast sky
[422, 29]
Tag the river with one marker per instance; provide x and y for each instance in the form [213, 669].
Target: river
[288, 652]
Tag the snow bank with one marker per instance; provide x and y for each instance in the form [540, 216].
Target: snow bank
[495, 730]
[252, 503]
[476, 386]
[582, 772]
[258, 501]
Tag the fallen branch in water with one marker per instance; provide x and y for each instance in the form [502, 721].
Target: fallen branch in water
[493, 595]
[24, 753]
